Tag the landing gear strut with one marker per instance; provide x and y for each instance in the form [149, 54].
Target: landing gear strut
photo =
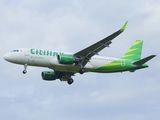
[70, 81]
[25, 69]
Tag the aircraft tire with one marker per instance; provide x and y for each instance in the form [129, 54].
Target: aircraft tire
[70, 81]
[82, 70]
[24, 71]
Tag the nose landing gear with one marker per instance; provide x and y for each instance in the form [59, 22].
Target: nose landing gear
[25, 69]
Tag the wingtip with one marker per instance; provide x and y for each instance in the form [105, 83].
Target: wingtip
[154, 56]
[124, 26]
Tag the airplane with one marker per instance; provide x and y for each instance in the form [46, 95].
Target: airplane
[65, 65]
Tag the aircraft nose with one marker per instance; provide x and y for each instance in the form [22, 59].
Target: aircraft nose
[7, 57]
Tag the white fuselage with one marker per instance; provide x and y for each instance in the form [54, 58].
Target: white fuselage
[47, 58]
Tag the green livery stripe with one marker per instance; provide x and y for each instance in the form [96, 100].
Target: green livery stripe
[111, 70]
[112, 64]
[137, 42]
[131, 50]
[115, 66]
[118, 66]
[126, 56]
[134, 53]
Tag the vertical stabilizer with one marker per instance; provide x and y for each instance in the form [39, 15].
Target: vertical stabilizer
[134, 53]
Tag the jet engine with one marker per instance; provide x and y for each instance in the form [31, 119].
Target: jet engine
[66, 59]
[49, 75]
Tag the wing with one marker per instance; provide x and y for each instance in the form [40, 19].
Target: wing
[85, 54]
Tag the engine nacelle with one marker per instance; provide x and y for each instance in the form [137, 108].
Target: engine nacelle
[49, 75]
[66, 59]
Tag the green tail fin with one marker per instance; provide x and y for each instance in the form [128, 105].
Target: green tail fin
[134, 53]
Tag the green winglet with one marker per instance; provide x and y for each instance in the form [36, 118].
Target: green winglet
[124, 26]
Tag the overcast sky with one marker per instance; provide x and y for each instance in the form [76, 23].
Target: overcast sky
[71, 26]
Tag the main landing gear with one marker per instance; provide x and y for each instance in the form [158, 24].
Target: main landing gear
[25, 69]
[82, 70]
[70, 81]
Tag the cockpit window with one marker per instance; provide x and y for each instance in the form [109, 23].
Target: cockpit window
[15, 51]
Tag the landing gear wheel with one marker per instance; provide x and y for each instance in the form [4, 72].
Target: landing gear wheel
[82, 70]
[70, 81]
[24, 71]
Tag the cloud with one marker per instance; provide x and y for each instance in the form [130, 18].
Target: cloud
[72, 26]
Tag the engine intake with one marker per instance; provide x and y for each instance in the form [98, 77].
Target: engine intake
[49, 75]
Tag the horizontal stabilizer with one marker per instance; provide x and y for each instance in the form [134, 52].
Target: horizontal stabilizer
[144, 60]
